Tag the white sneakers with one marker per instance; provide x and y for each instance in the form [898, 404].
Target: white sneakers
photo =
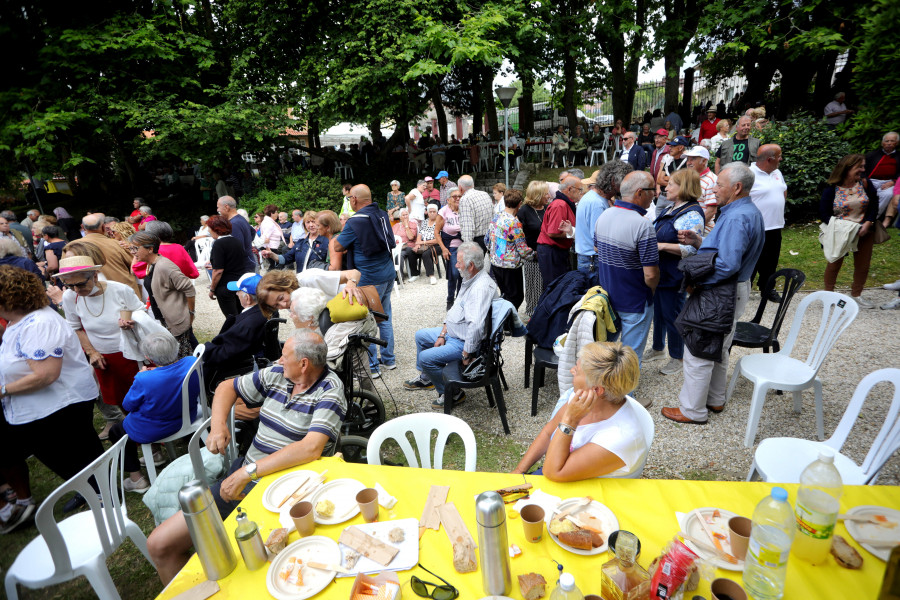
[140, 486]
[892, 305]
[433, 280]
[863, 303]
[413, 278]
[894, 287]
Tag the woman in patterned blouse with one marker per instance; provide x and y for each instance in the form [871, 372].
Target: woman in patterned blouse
[508, 250]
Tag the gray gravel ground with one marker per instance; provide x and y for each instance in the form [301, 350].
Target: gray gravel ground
[712, 451]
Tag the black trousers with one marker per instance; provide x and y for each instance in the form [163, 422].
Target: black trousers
[552, 261]
[228, 302]
[511, 284]
[131, 463]
[767, 263]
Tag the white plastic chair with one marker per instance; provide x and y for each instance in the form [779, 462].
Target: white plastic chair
[345, 171]
[187, 426]
[396, 256]
[771, 462]
[421, 425]
[80, 544]
[601, 153]
[649, 431]
[484, 156]
[231, 451]
[203, 247]
[779, 371]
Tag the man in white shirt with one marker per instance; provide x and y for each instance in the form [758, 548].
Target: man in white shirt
[698, 160]
[769, 194]
[836, 111]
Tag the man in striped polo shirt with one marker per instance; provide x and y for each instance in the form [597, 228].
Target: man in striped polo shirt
[302, 408]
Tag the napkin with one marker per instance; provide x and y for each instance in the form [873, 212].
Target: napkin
[542, 499]
[384, 499]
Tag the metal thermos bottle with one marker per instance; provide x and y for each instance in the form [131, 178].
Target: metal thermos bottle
[207, 530]
[250, 542]
[490, 513]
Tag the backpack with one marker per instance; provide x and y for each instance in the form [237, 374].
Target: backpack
[551, 315]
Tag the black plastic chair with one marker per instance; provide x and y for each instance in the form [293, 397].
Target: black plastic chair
[491, 381]
[542, 359]
[752, 334]
[272, 346]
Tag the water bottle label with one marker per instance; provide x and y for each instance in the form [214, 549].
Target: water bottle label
[815, 524]
[765, 556]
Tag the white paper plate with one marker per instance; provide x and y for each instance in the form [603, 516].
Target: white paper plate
[407, 557]
[872, 531]
[281, 487]
[343, 493]
[315, 548]
[600, 511]
[719, 524]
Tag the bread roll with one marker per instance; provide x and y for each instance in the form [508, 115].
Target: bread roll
[845, 554]
[532, 586]
[580, 539]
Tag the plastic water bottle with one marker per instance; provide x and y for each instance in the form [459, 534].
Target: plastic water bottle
[773, 529]
[818, 505]
[566, 589]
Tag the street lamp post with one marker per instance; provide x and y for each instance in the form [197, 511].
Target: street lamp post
[505, 95]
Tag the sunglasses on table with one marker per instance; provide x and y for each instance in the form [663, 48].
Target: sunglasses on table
[440, 592]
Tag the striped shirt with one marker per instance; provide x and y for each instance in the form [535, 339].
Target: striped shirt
[285, 418]
[626, 243]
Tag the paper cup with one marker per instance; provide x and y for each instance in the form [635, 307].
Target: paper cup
[533, 522]
[304, 521]
[125, 315]
[368, 504]
[739, 530]
[723, 589]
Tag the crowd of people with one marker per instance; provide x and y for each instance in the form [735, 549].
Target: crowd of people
[100, 313]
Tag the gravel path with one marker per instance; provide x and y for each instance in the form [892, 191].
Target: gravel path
[713, 451]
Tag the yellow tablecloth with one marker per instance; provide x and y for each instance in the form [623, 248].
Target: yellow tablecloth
[645, 507]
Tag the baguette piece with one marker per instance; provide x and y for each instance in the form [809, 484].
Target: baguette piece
[532, 586]
[845, 554]
[580, 538]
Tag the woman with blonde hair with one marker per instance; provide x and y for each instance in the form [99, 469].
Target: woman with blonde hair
[531, 216]
[685, 213]
[595, 432]
[329, 225]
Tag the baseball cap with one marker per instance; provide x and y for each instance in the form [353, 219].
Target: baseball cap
[680, 141]
[698, 151]
[442, 174]
[247, 284]
[661, 131]
[429, 179]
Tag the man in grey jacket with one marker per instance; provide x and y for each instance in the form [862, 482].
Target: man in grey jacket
[739, 148]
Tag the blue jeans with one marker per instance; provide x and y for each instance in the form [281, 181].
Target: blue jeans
[635, 329]
[430, 360]
[667, 305]
[385, 328]
[454, 281]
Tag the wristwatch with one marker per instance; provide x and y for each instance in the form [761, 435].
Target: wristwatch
[3, 393]
[565, 429]
[251, 471]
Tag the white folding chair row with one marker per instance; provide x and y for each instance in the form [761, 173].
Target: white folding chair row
[345, 171]
[421, 425]
[782, 460]
[780, 371]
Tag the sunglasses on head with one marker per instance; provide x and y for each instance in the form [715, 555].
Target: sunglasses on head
[440, 592]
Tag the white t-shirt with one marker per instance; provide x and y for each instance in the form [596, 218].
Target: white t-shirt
[768, 196]
[102, 330]
[417, 209]
[620, 434]
[39, 335]
[833, 107]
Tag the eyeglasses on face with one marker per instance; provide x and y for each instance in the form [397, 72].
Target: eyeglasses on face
[78, 284]
[440, 592]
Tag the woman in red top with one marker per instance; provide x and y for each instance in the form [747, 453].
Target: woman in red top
[174, 252]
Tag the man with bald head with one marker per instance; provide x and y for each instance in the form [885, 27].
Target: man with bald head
[241, 230]
[369, 239]
[769, 194]
[116, 260]
[557, 230]
[739, 148]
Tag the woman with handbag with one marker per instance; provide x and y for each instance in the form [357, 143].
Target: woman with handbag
[850, 197]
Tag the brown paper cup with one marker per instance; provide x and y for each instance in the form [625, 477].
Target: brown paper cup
[304, 520]
[726, 588]
[368, 504]
[739, 530]
[125, 315]
[533, 522]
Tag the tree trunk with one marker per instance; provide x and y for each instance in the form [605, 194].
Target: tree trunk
[688, 98]
[490, 107]
[375, 129]
[207, 20]
[569, 89]
[477, 105]
[795, 80]
[526, 102]
[673, 81]
[759, 71]
[439, 111]
[822, 92]
[313, 130]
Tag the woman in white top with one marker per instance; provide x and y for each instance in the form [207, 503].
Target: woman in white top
[595, 432]
[269, 229]
[47, 391]
[415, 202]
[722, 129]
[92, 310]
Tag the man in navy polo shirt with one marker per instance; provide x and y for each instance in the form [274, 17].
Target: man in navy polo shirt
[369, 237]
[628, 258]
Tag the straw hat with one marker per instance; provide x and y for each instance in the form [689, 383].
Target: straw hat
[76, 264]
[592, 180]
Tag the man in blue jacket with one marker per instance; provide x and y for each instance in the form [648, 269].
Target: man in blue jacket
[633, 154]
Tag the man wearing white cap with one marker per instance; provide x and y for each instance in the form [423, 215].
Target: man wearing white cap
[240, 338]
[698, 160]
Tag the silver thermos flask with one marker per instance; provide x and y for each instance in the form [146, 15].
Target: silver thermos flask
[207, 530]
[493, 546]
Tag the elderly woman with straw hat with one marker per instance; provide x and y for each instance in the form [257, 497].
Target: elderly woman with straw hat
[97, 311]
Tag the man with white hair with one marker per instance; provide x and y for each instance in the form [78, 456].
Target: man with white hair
[7, 232]
[737, 239]
[836, 111]
[241, 336]
[554, 241]
[769, 194]
[883, 169]
[460, 336]
[476, 209]
[116, 260]
[31, 217]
